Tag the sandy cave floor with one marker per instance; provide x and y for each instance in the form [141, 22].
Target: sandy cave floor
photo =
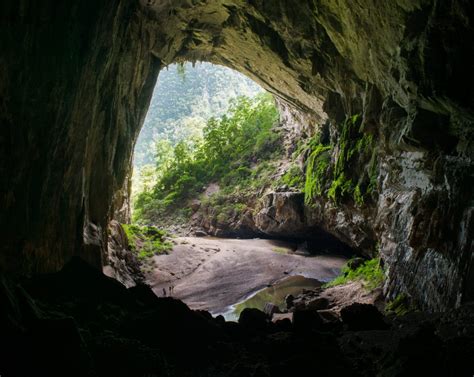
[214, 273]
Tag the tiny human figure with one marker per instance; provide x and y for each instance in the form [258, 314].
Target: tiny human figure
[164, 292]
[170, 289]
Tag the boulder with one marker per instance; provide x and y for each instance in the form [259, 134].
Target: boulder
[306, 320]
[120, 262]
[361, 317]
[282, 316]
[289, 299]
[200, 233]
[253, 320]
[269, 309]
[328, 315]
[282, 214]
[318, 303]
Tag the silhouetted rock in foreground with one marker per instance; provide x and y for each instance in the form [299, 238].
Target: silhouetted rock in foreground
[78, 322]
[253, 320]
[360, 317]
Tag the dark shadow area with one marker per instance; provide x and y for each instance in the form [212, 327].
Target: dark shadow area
[79, 323]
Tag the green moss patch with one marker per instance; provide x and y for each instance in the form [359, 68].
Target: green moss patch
[399, 306]
[344, 171]
[369, 273]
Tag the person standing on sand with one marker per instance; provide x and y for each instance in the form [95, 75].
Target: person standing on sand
[164, 292]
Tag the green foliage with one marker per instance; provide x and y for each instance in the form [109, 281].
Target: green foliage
[280, 250]
[340, 187]
[146, 241]
[358, 197]
[400, 305]
[226, 212]
[293, 178]
[316, 170]
[354, 148]
[184, 99]
[372, 173]
[348, 146]
[370, 273]
[224, 154]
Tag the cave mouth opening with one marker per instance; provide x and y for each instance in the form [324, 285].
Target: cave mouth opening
[74, 82]
[187, 105]
[212, 163]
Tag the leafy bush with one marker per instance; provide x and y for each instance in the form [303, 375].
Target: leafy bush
[370, 273]
[146, 241]
[293, 178]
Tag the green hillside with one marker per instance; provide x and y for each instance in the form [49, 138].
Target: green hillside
[183, 101]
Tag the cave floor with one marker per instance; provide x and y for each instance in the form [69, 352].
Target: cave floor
[209, 273]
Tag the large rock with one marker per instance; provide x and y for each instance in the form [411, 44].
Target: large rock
[282, 214]
[121, 263]
[253, 320]
[359, 317]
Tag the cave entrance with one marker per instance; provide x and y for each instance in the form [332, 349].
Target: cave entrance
[212, 162]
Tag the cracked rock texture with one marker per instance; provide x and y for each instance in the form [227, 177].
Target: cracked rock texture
[76, 79]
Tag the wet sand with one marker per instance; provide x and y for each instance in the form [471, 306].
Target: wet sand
[214, 273]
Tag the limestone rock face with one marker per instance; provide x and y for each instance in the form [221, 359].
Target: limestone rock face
[76, 79]
[120, 262]
[75, 82]
[282, 214]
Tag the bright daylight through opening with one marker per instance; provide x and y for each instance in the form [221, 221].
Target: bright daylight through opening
[211, 152]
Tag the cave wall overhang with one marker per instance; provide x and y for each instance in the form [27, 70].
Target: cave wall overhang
[76, 80]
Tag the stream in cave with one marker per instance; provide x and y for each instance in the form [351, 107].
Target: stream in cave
[224, 276]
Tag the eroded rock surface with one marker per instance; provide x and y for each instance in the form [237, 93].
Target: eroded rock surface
[121, 263]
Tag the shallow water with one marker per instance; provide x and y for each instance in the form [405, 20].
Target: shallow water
[275, 294]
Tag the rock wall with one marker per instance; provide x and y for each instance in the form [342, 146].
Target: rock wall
[75, 81]
[120, 262]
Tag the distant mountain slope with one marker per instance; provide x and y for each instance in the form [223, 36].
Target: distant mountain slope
[182, 104]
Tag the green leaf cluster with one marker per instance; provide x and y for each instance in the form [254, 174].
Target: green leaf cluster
[293, 178]
[369, 273]
[146, 241]
[400, 305]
